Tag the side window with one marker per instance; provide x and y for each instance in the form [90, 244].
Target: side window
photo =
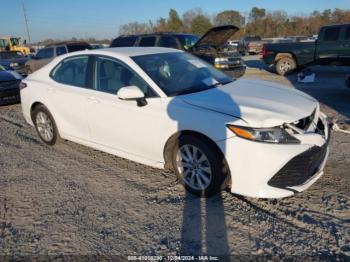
[72, 71]
[111, 75]
[168, 41]
[45, 53]
[124, 41]
[60, 50]
[148, 41]
[347, 34]
[331, 34]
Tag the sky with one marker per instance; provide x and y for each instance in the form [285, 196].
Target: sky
[63, 19]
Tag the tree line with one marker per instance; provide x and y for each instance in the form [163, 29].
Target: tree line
[257, 22]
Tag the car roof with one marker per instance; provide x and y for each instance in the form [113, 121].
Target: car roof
[127, 51]
[67, 43]
[156, 34]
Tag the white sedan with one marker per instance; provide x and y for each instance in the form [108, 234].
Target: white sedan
[168, 109]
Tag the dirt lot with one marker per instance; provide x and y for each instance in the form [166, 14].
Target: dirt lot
[71, 199]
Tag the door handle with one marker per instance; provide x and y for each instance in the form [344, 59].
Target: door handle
[345, 45]
[93, 100]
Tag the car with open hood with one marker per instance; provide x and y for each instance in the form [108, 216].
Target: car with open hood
[211, 47]
[169, 109]
[9, 86]
[14, 60]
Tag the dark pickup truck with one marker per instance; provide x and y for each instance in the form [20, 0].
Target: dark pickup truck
[331, 48]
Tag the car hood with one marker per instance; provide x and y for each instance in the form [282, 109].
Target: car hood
[258, 103]
[9, 76]
[217, 36]
[21, 60]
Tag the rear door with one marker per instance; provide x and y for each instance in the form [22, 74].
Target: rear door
[344, 53]
[68, 94]
[328, 45]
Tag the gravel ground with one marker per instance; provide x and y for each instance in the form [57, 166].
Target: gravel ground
[70, 199]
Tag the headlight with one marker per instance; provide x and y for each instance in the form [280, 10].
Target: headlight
[275, 135]
[221, 59]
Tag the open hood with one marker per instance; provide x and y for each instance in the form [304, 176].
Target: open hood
[217, 36]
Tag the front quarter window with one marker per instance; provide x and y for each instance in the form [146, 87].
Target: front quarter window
[180, 73]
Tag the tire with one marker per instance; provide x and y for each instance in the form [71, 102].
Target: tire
[285, 65]
[45, 125]
[208, 174]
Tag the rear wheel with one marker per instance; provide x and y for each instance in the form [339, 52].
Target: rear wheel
[45, 125]
[200, 166]
[285, 65]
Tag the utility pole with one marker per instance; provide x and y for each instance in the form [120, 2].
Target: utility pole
[26, 20]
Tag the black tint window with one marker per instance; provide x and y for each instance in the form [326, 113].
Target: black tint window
[72, 71]
[124, 41]
[168, 41]
[148, 41]
[111, 75]
[331, 34]
[60, 50]
[45, 53]
[78, 47]
[347, 33]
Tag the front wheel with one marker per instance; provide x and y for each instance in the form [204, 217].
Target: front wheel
[285, 65]
[45, 125]
[200, 166]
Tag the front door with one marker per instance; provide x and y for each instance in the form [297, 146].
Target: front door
[328, 46]
[119, 124]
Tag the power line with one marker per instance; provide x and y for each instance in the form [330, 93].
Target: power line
[26, 20]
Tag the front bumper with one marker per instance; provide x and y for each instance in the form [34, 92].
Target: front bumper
[235, 72]
[9, 94]
[264, 170]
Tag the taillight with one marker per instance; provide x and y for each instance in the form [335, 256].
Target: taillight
[263, 51]
[22, 85]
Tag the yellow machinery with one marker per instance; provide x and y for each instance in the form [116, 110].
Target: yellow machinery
[10, 43]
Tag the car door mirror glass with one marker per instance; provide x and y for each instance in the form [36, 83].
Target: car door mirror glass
[130, 93]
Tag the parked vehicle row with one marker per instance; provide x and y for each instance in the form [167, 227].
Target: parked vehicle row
[332, 47]
[168, 108]
[210, 47]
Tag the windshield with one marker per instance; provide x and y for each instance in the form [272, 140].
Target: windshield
[10, 55]
[2, 68]
[187, 41]
[180, 73]
[15, 41]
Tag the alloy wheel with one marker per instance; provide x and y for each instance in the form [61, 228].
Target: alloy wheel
[194, 167]
[44, 126]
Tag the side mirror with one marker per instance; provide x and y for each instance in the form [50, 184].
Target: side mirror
[132, 93]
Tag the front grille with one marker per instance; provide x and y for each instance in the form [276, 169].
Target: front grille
[301, 168]
[8, 84]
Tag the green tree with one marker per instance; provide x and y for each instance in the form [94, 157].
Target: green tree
[257, 13]
[200, 25]
[174, 21]
[231, 17]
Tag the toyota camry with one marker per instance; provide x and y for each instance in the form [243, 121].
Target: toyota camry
[168, 109]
